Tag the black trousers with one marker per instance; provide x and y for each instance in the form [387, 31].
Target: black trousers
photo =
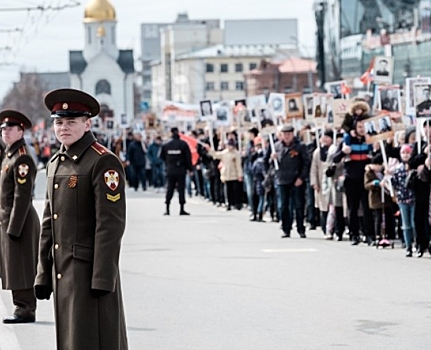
[356, 194]
[422, 226]
[234, 193]
[389, 222]
[25, 302]
[178, 182]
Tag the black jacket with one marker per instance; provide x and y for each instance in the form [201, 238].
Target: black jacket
[176, 154]
[293, 161]
[136, 154]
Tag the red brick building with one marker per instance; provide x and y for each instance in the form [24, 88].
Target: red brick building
[291, 75]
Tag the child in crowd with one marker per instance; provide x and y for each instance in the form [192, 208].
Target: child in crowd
[405, 197]
[258, 172]
[358, 110]
[374, 184]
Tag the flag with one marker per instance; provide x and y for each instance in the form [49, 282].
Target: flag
[193, 146]
[345, 90]
[367, 77]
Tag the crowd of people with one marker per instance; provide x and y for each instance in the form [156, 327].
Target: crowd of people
[327, 178]
[332, 179]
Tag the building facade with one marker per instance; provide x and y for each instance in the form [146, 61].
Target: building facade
[215, 73]
[291, 75]
[357, 30]
[162, 41]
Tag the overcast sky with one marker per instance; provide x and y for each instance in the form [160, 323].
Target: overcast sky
[44, 44]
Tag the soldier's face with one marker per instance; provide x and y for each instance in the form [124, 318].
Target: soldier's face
[69, 130]
[11, 134]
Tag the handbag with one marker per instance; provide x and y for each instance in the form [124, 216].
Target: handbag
[330, 171]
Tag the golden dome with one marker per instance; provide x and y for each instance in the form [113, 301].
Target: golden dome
[98, 11]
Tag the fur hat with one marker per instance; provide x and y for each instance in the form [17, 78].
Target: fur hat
[359, 104]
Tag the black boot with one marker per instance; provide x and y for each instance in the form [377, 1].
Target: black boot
[167, 210]
[182, 211]
[254, 217]
[260, 217]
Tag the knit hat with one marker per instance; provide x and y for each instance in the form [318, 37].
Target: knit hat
[406, 148]
[329, 133]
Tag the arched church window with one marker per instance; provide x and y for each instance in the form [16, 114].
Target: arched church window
[103, 87]
[89, 35]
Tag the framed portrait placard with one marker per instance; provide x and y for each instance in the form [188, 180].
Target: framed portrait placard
[378, 128]
[383, 69]
[294, 106]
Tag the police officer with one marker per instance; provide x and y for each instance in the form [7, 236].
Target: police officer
[176, 154]
[19, 220]
[83, 224]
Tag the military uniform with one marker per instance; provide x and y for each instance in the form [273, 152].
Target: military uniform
[176, 153]
[19, 223]
[83, 224]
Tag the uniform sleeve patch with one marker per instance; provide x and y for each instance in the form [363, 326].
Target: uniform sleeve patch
[112, 198]
[112, 179]
[23, 170]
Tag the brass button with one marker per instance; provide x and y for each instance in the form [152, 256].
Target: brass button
[56, 246]
[63, 158]
[59, 276]
[56, 186]
[55, 216]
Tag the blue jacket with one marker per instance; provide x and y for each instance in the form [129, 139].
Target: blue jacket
[153, 154]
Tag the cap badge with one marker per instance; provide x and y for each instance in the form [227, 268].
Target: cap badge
[23, 170]
[65, 106]
[6, 120]
[112, 179]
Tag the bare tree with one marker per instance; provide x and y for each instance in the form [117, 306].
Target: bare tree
[26, 96]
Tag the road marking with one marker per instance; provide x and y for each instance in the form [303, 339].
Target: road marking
[303, 250]
[9, 341]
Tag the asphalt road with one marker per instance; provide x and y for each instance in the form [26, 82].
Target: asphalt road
[215, 281]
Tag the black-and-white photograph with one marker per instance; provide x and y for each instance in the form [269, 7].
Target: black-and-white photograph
[423, 100]
[378, 129]
[222, 116]
[206, 108]
[385, 125]
[336, 89]
[383, 69]
[277, 104]
[370, 128]
[410, 92]
[255, 102]
[292, 106]
[390, 99]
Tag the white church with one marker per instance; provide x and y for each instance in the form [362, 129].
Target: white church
[101, 69]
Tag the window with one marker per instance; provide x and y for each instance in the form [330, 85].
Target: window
[288, 89]
[239, 85]
[103, 87]
[209, 68]
[252, 66]
[224, 68]
[209, 87]
[224, 85]
[89, 35]
[238, 67]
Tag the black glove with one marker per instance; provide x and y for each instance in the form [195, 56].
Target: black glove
[42, 292]
[99, 292]
[14, 238]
